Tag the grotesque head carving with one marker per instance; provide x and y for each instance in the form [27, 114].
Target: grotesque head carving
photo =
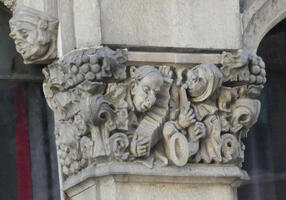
[35, 35]
[202, 81]
[245, 113]
[145, 84]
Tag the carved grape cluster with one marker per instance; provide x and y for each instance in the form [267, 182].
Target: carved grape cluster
[69, 159]
[86, 68]
[257, 71]
[95, 66]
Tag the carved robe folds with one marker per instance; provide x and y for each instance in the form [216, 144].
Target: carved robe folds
[153, 115]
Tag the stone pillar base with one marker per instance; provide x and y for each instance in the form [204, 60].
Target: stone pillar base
[121, 181]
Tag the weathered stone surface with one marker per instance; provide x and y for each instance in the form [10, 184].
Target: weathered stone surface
[87, 28]
[122, 181]
[174, 59]
[35, 35]
[199, 24]
[153, 115]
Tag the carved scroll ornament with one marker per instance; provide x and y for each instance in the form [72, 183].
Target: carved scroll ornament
[35, 35]
[155, 115]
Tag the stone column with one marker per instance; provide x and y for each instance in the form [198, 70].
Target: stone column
[142, 125]
[141, 122]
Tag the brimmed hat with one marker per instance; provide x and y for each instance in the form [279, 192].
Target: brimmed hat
[214, 77]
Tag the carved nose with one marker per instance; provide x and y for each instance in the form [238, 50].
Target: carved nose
[151, 100]
[12, 34]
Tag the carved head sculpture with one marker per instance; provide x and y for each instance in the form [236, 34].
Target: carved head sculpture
[245, 113]
[35, 35]
[146, 82]
[202, 81]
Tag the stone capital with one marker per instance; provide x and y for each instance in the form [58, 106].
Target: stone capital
[152, 119]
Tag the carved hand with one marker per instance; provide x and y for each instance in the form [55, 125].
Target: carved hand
[166, 71]
[186, 116]
[139, 146]
[197, 131]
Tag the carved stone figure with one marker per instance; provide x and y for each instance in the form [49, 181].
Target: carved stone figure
[199, 88]
[107, 111]
[35, 35]
[202, 81]
[146, 83]
[182, 136]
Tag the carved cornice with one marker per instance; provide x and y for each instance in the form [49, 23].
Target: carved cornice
[153, 115]
[10, 4]
[35, 35]
[191, 174]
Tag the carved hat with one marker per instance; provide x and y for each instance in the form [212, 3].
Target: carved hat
[214, 78]
[141, 72]
[39, 18]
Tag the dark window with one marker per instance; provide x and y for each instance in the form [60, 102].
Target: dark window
[265, 158]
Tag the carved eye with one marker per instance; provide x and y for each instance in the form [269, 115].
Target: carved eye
[146, 89]
[244, 118]
[24, 33]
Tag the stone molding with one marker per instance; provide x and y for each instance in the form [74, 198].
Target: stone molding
[157, 116]
[199, 173]
[138, 58]
[10, 4]
[35, 35]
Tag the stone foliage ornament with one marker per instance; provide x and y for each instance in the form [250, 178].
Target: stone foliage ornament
[35, 35]
[154, 115]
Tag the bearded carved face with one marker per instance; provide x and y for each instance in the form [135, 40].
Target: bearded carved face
[34, 35]
[144, 90]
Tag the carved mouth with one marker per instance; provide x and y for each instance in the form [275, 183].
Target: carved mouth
[145, 107]
[20, 49]
[23, 51]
